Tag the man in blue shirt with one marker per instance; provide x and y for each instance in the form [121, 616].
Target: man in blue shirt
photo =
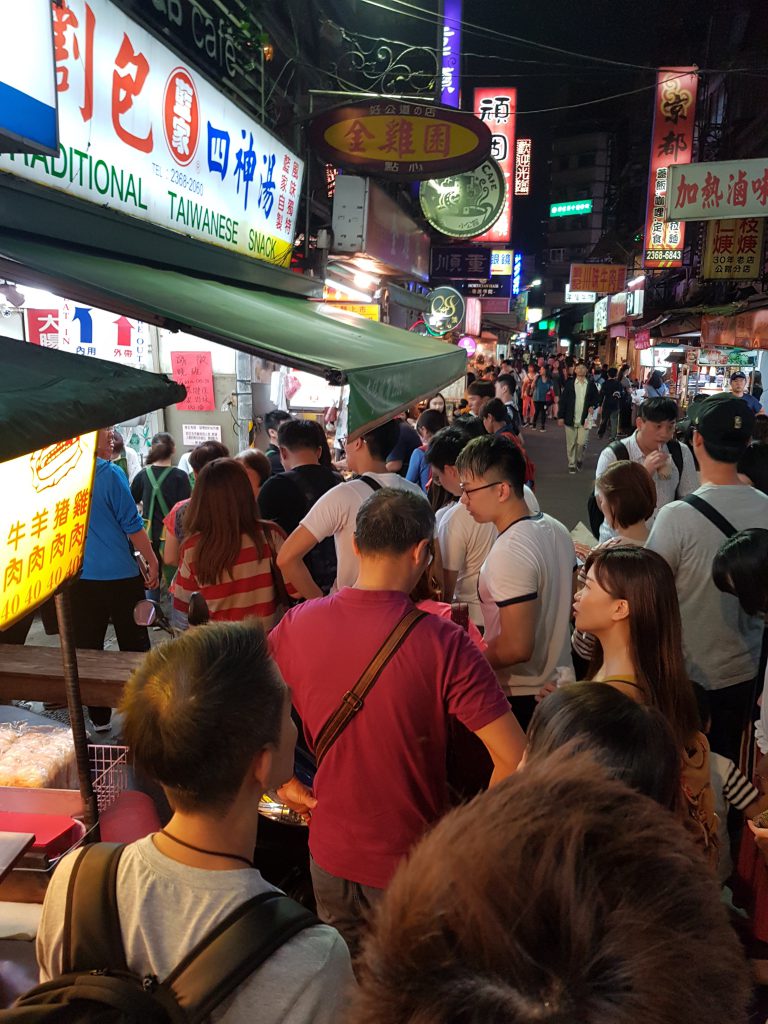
[111, 583]
[739, 389]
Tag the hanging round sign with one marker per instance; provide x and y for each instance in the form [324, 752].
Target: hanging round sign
[446, 310]
[464, 205]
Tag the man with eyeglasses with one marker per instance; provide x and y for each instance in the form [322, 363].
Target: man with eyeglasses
[526, 582]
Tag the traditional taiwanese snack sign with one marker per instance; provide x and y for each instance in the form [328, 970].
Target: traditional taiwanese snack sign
[400, 141]
[43, 527]
[734, 249]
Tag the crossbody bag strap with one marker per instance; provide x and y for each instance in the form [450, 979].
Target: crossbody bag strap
[92, 939]
[710, 513]
[281, 590]
[373, 484]
[229, 954]
[353, 699]
[676, 452]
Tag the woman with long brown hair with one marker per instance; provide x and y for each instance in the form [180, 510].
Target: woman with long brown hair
[629, 604]
[229, 554]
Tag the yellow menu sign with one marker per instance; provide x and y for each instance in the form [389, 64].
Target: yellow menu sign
[43, 519]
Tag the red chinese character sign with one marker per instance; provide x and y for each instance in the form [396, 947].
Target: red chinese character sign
[400, 141]
[597, 277]
[714, 191]
[734, 249]
[496, 108]
[195, 371]
[181, 116]
[671, 143]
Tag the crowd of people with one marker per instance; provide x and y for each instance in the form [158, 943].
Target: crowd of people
[435, 636]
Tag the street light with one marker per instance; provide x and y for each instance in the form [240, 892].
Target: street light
[533, 284]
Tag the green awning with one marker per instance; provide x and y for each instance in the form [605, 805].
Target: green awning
[48, 396]
[387, 369]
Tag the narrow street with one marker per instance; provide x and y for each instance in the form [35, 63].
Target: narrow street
[561, 494]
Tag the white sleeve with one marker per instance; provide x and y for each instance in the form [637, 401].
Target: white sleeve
[452, 536]
[689, 478]
[531, 500]
[512, 576]
[607, 458]
[328, 515]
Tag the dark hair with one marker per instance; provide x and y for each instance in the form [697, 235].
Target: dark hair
[496, 409]
[162, 447]
[560, 895]
[726, 453]
[704, 705]
[612, 372]
[740, 568]
[658, 410]
[644, 580]
[484, 454]
[482, 389]
[754, 463]
[508, 380]
[205, 453]
[197, 711]
[392, 521]
[275, 417]
[760, 431]
[471, 425]
[257, 461]
[632, 741]
[220, 512]
[299, 435]
[431, 420]
[381, 440]
[441, 396]
[118, 442]
[443, 450]
[630, 492]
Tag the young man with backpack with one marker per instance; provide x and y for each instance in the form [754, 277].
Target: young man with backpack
[333, 515]
[288, 497]
[670, 463]
[208, 717]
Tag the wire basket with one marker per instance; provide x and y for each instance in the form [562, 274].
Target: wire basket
[110, 773]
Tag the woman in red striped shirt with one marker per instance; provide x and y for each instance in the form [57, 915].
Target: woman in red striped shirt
[229, 554]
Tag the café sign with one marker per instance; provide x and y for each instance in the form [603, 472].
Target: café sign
[143, 134]
[445, 312]
[400, 141]
[467, 204]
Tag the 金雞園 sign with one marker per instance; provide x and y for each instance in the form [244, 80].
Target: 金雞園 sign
[464, 205]
[401, 141]
[459, 262]
[731, 188]
[446, 310]
[144, 135]
[671, 143]
[195, 371]
[597, 277]
[523, 167]
[734, 249]
[28, 121]
[496, 108]
[87, 331]
[571, 209]
[42, 530]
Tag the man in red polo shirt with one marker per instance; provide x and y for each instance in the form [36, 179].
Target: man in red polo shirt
[383, 782]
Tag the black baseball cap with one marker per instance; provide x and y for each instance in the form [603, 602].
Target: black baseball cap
[723, 420]
[739, 375]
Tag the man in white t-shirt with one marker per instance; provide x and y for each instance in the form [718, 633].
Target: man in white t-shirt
[464, 543]
[333, 515]
[526, 582]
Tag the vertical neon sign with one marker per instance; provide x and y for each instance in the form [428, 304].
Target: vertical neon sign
[450, 86]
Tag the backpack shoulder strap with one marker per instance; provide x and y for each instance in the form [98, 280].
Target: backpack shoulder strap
[710, 513]
[92, 938]
[676, 452]
[373, 484]
[620, 450]
[229, 954]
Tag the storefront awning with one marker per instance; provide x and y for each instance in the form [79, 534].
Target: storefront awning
[386, 369]
[48, 396]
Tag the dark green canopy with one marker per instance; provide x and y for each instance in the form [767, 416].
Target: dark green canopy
[48, 396]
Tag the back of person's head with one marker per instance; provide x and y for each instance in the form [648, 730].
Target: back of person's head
[508, 381]
[656, 378]
[630, 492]
[393, 521]
[471, 425]
[482, 389]
[760, 431]
[162, 447]
[299, 435]
[740, 568]
[496, 409]
[220, 510]
[274, 418]
[754, 462]
[612, 373]
[723, 427]
[207, 452]
[430, 421]
[197, 711]
[496, 458]
[257, 462]
[560, 895]
[443, 450]
[632, 741]
[381, 440]
[645, 581]
[658, 410]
